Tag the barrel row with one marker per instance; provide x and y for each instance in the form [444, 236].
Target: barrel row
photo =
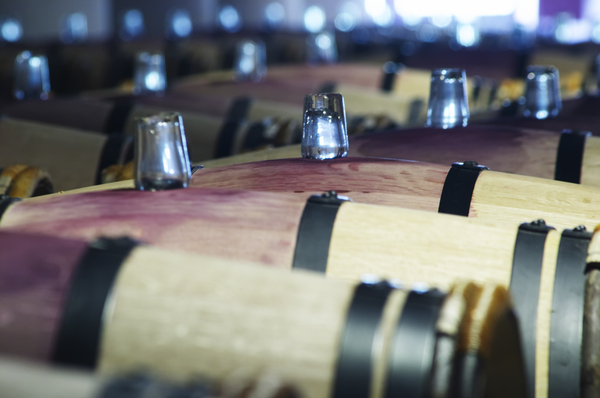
[345, 240]
[320, 334]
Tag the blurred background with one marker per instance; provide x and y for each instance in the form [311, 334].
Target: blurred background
[93, 41]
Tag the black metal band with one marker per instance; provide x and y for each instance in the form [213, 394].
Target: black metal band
[415, 111]
[111, 153]
[231, 125]
[255, 136]
[115, 123]
[525, 288]
[355, 362]
[328, 87]
[569, 157]
[458, 188]
[314, 232]
[78, 338]
[413, 346]
[5, 202]
[566, 324]
[390, 70]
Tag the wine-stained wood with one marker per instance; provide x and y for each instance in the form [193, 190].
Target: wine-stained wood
[367, 180]
[501, 149]
[35, 270]
[255, 226]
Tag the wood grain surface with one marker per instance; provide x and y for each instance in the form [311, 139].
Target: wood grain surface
[245, 225]
[514, 198]
[365, 180]
[501, 149]
[70, 156]
[180, 315]
[35, 271]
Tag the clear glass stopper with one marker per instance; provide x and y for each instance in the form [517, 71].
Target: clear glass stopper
[542, 93]
[448, 100]
[150, 74]
[250, 61]
[324, 131]
[321, 48]
[161, 154]
[32, 79]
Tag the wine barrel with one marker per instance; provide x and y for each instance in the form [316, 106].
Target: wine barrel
[22, 181]
[577, 114]
[26, 379]
[340, 238]
[569, 157]
[414, 185]
[73, 158]
[327, 337]
[242, 128]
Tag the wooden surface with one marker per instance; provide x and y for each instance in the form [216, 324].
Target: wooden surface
[68, 112]
[440, 258]
[30, 182]
[245, 225]
[515, 198]
[501, 149]
[70, 156]
[23, 379]
[590, 167]
[34, 273]
[365, 180]
[180, 315]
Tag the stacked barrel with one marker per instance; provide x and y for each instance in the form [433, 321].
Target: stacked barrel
[287, 250]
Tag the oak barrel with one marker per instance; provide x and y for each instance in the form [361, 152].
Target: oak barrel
[73, 158]
[340, 238]
[570, 157]
[414, 185]
[119, 307]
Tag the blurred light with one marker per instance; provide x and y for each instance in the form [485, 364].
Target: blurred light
[181, 23]
[467, 35]
[322, 48]
[380, 12]
[411, 22]
[375, 7]
[441, 21]
[345, 22]
[275, 13]
[133, 24]
[230, 19]
[385, 18]
[11, 30]
[76, 28]
[314, 19]
[573, 31]
[428, 33]
[596, 33]
[524, 11]
[153, 81]
[323, 41]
